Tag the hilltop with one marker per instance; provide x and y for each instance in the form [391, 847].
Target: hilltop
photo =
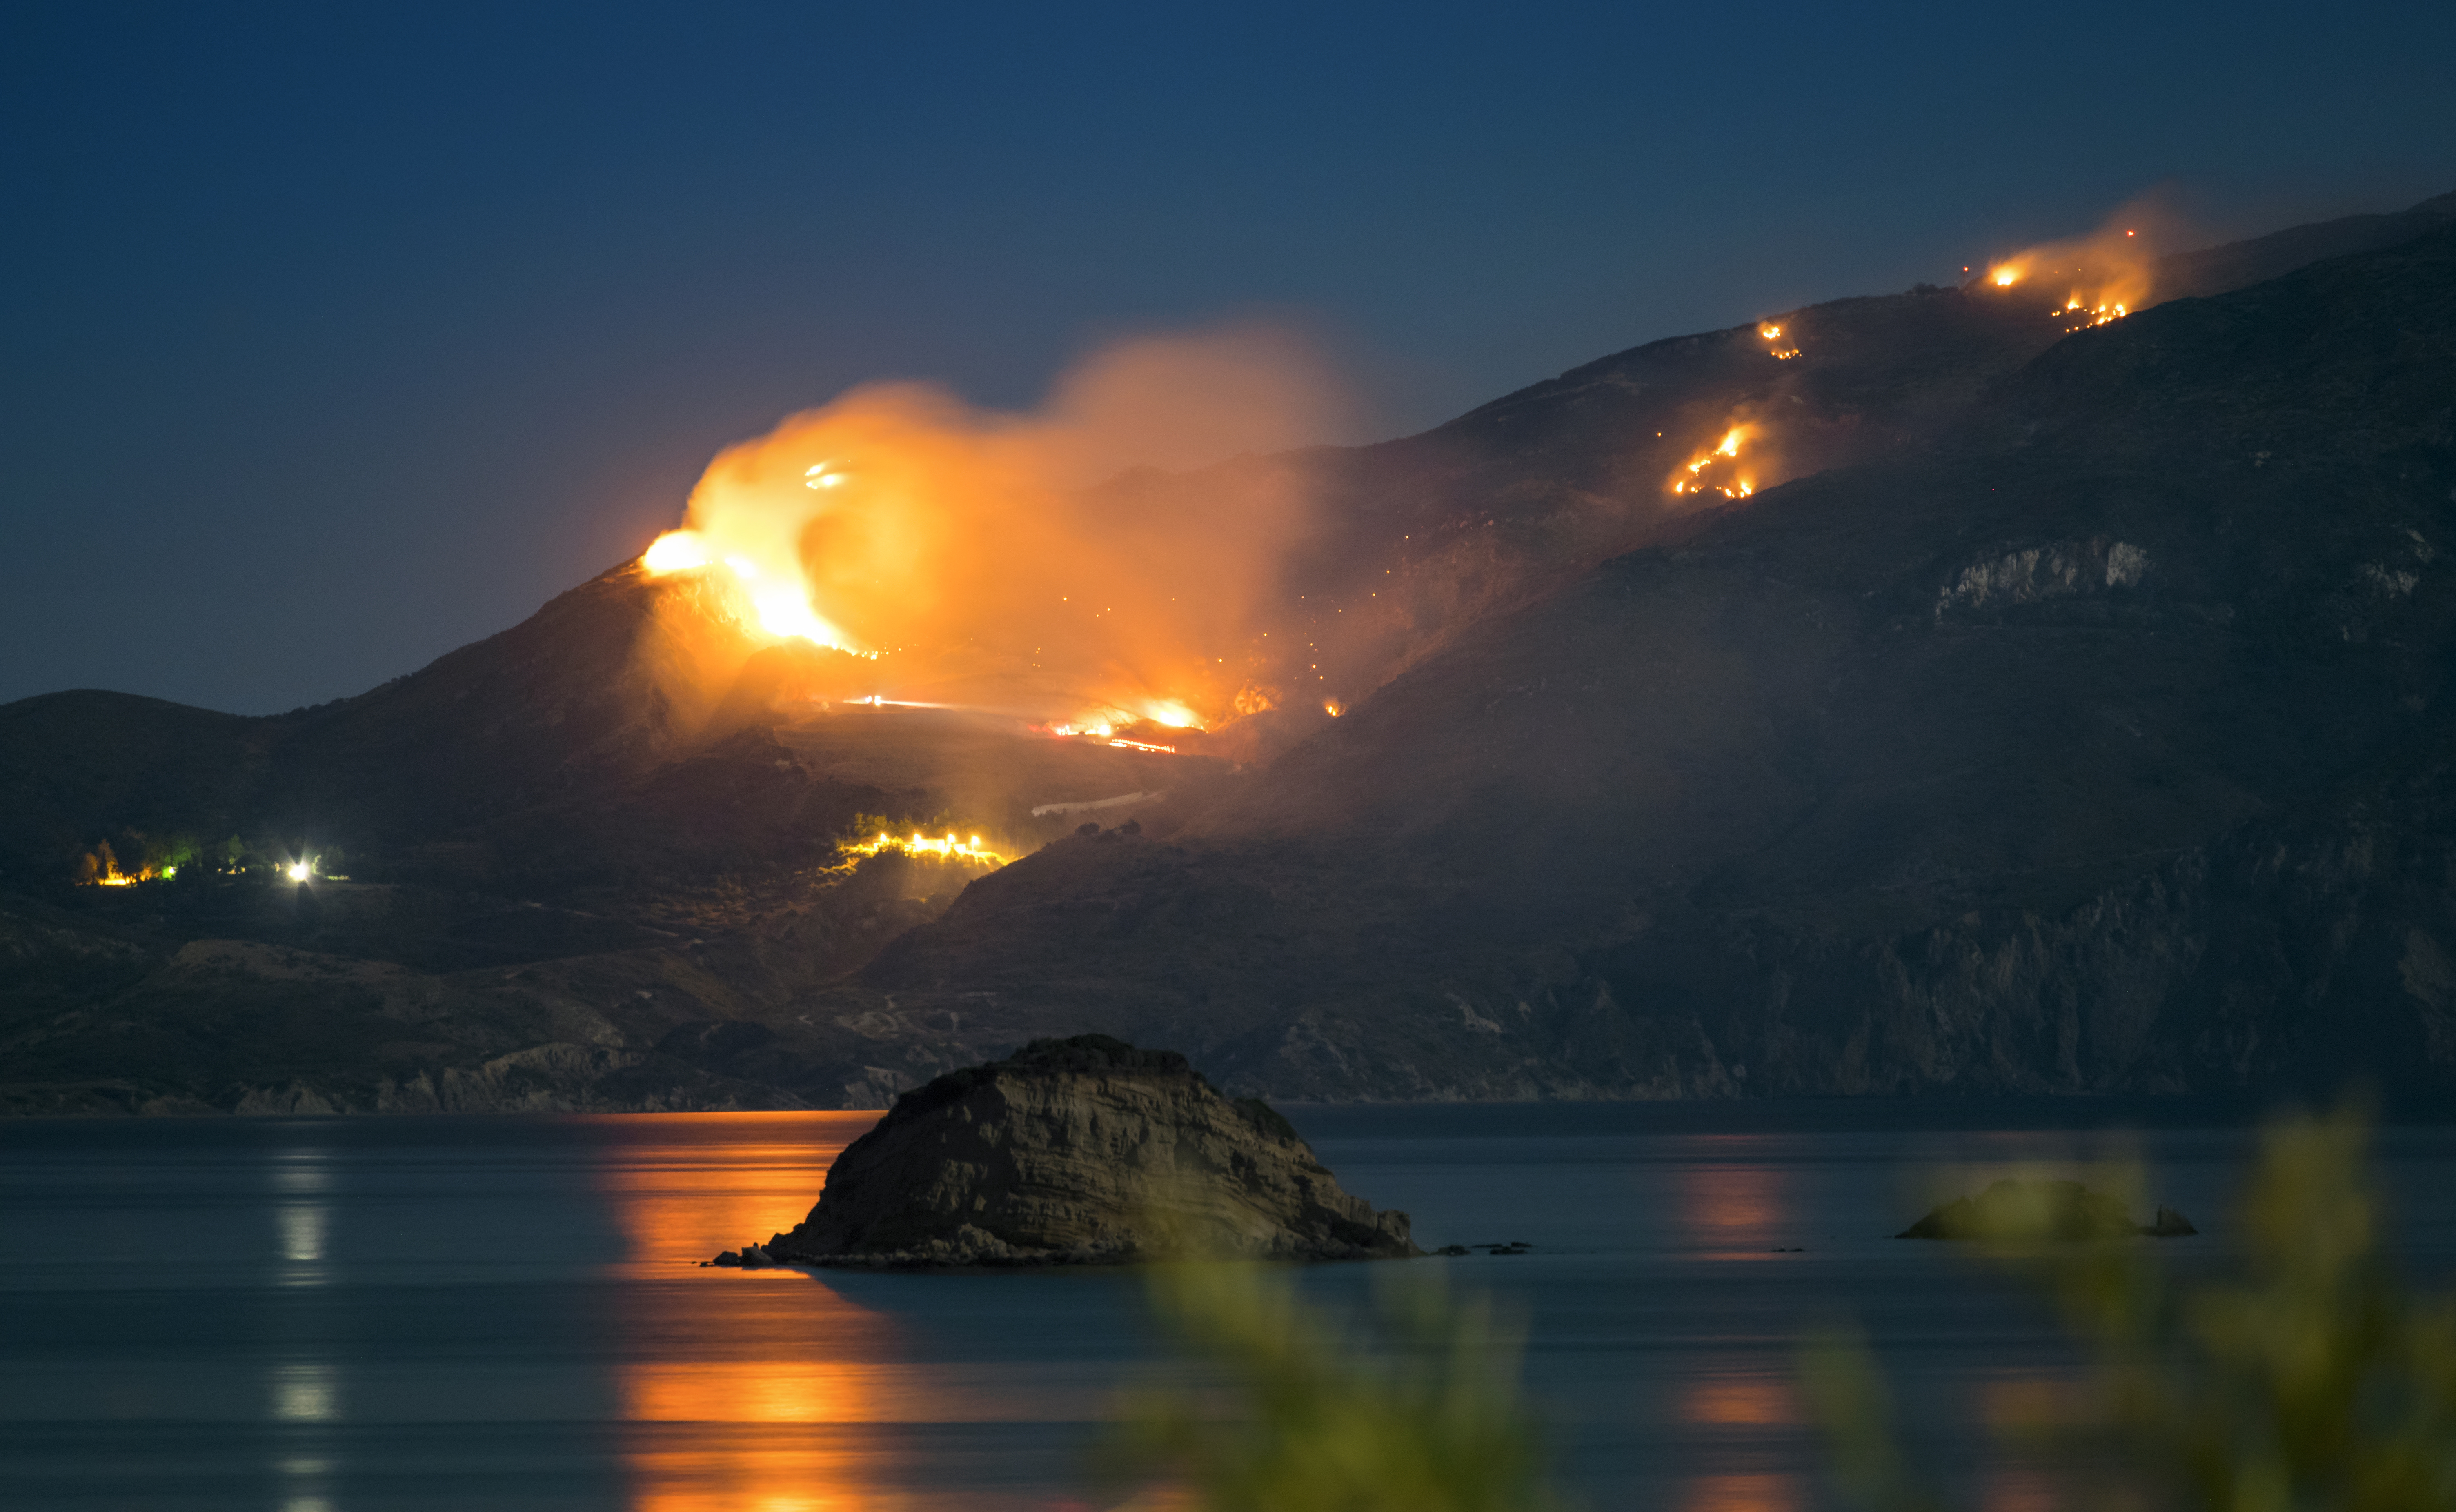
[2070, 719]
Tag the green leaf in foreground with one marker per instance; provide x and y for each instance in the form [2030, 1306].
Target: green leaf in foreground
[2308, 1380]
[1420, 1411]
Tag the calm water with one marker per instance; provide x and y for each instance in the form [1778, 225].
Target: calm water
[327, 1315]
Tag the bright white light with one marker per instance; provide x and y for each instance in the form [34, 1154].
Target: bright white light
[299, 870]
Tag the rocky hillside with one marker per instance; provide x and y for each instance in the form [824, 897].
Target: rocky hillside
[2072, 719]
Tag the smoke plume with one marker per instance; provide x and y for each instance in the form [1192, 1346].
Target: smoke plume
[952, 554]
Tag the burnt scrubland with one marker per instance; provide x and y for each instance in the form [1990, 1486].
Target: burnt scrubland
[2062, 710]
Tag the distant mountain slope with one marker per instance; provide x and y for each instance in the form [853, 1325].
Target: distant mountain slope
[2072, 721]
[2105, 746]
[1422, 536]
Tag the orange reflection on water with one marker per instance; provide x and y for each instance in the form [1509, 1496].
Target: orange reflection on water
[740, 1472]
[2015, 1489]
[744, 1391]
[732, 1182]
[1741, 1493]
[737, 1374]
[1740, 1400]
[1733, 1206]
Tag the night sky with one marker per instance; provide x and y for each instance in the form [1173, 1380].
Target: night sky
[335, 341]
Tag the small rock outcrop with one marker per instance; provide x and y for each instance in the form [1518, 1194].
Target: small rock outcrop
[1082, 1151]
[2029, 1211]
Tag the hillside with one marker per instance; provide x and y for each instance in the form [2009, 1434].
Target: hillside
[2072, 720]
[2102, 746]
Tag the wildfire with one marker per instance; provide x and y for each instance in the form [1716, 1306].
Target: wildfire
[1103, 723]
[782, 609]
[2099, 315]
[1105, 732]
[2106, 274]
[949, 847]
[1774, 332]
[1727, 450]
[1044, 563]
[99, 867]
[1174, 715]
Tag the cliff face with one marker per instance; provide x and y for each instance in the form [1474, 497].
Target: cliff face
[1083, 1150]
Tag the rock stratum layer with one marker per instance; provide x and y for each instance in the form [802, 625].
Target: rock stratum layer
[1082, 1151]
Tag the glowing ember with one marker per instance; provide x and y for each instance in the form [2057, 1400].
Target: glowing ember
[1135, 744]
[949, 847]
[1697, 479]
[2109, 273]
[1101, 724]
[1097, 730]
[2100, 315]
[1771, 333]
[1334, 708]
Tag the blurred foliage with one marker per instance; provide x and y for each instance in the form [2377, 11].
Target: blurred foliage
[2308, 1380]
[1421, 1410]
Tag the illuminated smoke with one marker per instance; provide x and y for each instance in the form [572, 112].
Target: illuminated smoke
[2092, 280]
[950, 554]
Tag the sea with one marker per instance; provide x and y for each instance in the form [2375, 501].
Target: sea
[345, 1314]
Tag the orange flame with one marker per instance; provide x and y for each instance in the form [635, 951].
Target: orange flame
[1013, 556]
[1693, 478]
[2106, 274]
[949, 847]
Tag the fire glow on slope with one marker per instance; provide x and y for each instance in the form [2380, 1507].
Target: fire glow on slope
[949, 847]
[2094, 279]
[1718, 471]
[998, 560]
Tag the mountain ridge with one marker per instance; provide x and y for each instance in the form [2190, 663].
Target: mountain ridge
[1829, 894]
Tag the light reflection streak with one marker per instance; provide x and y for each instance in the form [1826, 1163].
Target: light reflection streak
[303, 1394]
[1741, 1493]
[1734, 1209]
[305, 1391]
[689, 1201]
[771, 1358]
[1740, 1402]
[301, 1216]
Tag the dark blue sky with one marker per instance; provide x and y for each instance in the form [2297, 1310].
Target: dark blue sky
[335, 341]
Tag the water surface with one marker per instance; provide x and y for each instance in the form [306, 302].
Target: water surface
[317, 1315]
